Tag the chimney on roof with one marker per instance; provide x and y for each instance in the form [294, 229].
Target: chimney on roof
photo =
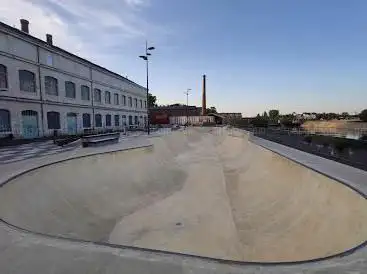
[24, 25]
[203, 109]
[49, 39]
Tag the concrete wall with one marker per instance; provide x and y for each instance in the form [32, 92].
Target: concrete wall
[22, 53]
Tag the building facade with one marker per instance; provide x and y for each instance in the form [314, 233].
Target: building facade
[229, 117]
[44, 89]
[162, 114]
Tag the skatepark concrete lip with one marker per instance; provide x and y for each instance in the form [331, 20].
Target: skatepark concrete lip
[172, 253]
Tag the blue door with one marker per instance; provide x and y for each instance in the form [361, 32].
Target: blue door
[30, 124]
[71, 123]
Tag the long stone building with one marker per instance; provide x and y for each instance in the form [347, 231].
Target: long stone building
[44, 89]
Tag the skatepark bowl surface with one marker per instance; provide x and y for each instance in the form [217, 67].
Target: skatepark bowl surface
[202, 191]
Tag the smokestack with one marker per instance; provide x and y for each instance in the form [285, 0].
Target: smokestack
[24, 25]
[203, 108]
[49, 39]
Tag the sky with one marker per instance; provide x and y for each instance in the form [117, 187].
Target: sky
[291, 55]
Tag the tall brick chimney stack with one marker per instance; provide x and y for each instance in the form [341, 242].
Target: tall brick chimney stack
[203, 109]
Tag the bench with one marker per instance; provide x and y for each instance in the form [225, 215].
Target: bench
[66, 140]
[97, 139]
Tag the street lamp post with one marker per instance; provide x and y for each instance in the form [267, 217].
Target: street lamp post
[187, 105]
[146, 58]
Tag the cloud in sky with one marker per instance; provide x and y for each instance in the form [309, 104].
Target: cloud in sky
[90, 29]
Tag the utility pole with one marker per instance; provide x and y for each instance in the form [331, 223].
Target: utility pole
[187, 105]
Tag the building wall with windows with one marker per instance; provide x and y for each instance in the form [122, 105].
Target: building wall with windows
[44, 88]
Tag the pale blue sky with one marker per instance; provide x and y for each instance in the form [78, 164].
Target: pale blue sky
[293, 55]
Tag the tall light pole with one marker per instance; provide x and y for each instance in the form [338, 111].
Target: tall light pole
[187, 105]
[146, 58]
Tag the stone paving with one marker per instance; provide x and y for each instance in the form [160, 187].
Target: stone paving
[11, 154]
[22, 152]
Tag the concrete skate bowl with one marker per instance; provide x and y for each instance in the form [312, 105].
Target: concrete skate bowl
[202, 192]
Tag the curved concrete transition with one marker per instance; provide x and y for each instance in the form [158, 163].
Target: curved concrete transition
[200, 192]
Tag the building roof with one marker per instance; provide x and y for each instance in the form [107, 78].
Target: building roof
[45, 44]
[175, 106]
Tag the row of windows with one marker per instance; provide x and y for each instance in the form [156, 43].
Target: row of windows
[53, 119]
[27, 83]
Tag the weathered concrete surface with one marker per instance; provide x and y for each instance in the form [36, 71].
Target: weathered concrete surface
[202, 193]
[23, 253]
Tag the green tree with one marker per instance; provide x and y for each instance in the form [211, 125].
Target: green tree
[363, 115]
[259, 121]
[211, 110]
[152, 100]
[274, 114]
[265, 115]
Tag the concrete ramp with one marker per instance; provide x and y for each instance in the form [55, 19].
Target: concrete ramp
[203, 192]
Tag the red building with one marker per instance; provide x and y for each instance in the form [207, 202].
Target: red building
[160, 115]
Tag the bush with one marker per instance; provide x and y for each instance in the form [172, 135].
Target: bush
[363, 115]
[260, 122]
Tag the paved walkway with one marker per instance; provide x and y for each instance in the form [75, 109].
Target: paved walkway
[18, 153]
[22, 152]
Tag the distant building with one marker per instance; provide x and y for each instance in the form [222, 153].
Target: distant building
[308, 116]
[192, 120]
[162, 114]
[230, 116]
[45, 89]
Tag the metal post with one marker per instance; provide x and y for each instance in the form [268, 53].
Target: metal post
[187, 106]
[147, 64]
[146, 58]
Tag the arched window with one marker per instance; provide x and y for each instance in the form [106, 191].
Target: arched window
[98, 120]
[27, 81]
[85, 93]
[5, 120]
[3, 77]
[51, 86]
[86, 120]
[108, 120]
[70, 89]
[97, 95]
[29, 113]
[53, 120]
[116, 100]
[107, 97]
[117, 120]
